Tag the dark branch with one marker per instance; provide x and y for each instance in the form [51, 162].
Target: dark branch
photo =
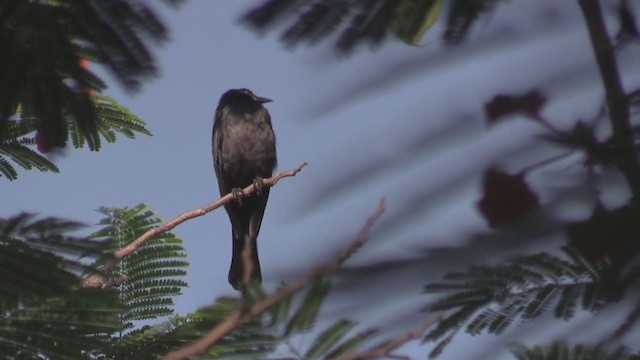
[617, 101]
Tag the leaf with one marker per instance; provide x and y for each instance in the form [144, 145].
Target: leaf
[563, 351]
[26, 157]
[307, 312]
[152, 271]
[44, 312]
[412, 18]
[462, 15]
[540, 302]
[327, 339]
[353, 343]
[7, 170]
[279, 311]
[491, 298]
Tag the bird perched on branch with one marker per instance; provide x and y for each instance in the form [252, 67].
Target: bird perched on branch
[244, 152]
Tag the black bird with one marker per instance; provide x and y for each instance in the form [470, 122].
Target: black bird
[244, 152]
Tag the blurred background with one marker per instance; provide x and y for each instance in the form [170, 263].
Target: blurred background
[485, 124]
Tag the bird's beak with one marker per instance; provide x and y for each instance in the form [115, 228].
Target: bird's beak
[263, 100]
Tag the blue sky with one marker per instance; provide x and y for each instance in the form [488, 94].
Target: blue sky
[347, 117]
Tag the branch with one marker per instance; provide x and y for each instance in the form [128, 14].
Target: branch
[97, 280]
[617, 101]
[241, 316]
[385, 349]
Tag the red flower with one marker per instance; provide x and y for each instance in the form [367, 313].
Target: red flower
[41, 142]
[504, 105]
[506, 197]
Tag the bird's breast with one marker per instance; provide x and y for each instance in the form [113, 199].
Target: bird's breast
[248, 148]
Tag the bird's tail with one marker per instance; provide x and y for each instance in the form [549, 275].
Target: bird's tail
[236, 272]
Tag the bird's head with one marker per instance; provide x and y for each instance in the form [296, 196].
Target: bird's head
[240, 95]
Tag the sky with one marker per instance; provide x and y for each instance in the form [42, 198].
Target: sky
[403, 122]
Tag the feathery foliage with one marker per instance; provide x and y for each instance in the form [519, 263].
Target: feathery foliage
[46, 82]
[44, 313]
[490, 298]
[251, 341]
[14, 146]
[18, 135]
[562, 351]
[367, 21]
[261, 338]
[149, 277]
[287, 323]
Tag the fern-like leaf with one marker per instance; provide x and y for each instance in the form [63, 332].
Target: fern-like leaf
[562, 351]
[307, 312]
[490, 298]
[26, 157]
[153, 272]
[329, 338]
[43, 312]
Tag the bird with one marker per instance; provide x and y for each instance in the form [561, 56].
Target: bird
[244, 153]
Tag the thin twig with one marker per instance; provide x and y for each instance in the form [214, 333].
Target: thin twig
[98, 279]
[241, 316]
[385, 349]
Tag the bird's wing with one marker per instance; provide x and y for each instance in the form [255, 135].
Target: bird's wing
[216, 146]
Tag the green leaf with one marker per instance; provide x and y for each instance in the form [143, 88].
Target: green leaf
[562, 351]
[490, 298]
[152, 271]
[353, 343]
[412, 18]
[329, 338]
[279, 311]
[7, 170]
[26, 157]
[307, 312]
[43, 313]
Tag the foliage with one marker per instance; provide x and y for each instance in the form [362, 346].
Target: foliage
[330, 342]
[561, 351]
[43, 311]
[264, 337]
[46, 81]
[365, 21]
[112, 119]
[490, 298]
[48, 89]
[46, 313]
[251, 341]
[150, 274]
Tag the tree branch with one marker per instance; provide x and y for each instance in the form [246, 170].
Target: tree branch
[98, 279]
[617, 101]
[385, 349]
[241, 316]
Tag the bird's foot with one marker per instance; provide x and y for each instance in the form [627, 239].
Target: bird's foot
[258, 184]
[237, 195]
